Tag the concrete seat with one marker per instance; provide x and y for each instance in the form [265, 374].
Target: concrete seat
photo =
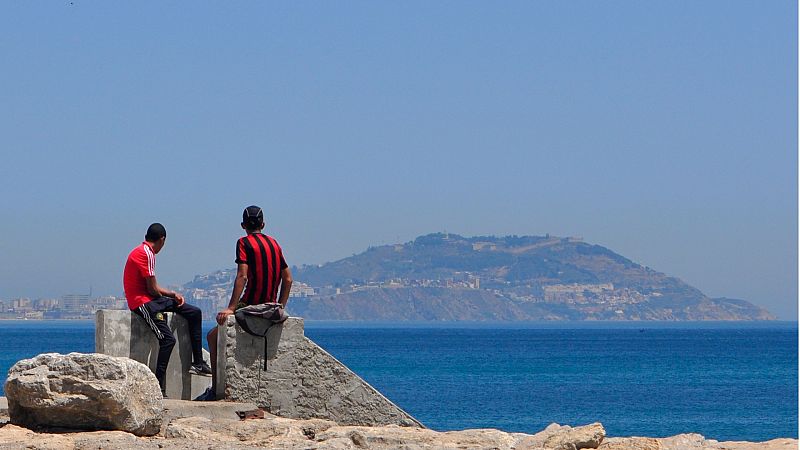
[301, 381]
[123, 333]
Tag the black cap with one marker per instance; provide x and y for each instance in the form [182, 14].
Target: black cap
[253, 215]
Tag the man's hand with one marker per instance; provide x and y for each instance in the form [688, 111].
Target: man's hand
[222, 316]
[180, 299]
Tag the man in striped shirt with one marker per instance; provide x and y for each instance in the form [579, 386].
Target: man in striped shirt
[262, 276]
[150, 301]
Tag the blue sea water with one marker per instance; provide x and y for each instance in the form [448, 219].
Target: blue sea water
[725, 381]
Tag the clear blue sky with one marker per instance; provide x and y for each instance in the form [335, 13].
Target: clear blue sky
[666, 131]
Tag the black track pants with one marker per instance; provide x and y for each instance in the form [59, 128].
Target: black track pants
[153, 313]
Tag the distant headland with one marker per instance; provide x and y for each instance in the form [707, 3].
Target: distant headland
[447, 277]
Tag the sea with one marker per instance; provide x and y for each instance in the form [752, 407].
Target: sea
[726, 381]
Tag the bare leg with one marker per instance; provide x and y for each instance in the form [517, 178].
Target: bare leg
[212, 350]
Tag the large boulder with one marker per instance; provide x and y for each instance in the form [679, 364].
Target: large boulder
[84, 392]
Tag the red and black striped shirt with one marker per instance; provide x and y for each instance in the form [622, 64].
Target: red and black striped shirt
[264, 259]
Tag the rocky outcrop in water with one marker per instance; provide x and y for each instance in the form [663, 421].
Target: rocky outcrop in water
[85, 392]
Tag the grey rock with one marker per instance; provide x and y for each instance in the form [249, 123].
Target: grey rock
[689, 441]
[631, 443]
[176, 409]
[108, 440]
[684, 441]
[202, 433]
[564, 437]
[85, 392]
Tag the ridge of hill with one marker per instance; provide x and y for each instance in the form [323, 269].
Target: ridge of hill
[443, 276]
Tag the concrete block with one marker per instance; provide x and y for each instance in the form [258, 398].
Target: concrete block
[123, 333]
[301, 381]
[176, 409]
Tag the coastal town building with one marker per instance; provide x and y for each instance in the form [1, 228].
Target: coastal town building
[75, 302]
[69, 306]
[300, 289]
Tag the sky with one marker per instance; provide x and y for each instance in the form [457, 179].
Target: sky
[665, 131]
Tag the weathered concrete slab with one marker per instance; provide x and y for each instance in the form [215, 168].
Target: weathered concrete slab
[302, 380]
[176, 409]
[123, 333]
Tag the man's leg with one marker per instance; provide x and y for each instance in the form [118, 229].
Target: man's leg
[194, 317]
[153, 313]
[212, 349]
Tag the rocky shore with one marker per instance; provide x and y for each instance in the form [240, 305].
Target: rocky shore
[216, 425]
[97, 401]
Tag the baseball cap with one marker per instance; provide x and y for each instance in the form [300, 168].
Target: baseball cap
[253, 215]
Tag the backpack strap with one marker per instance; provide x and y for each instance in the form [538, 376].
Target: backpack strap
[271, 312]
[266, 346]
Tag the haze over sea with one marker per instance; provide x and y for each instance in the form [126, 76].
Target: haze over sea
[727, 381]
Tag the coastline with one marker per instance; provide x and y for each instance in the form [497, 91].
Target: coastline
[200, 425]
[542, 363]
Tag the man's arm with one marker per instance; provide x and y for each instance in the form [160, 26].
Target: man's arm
[286, 286]
[157, 291]
[238, 288]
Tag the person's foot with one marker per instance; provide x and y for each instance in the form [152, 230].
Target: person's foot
[207, 396]
[162, 384]
[200, 368]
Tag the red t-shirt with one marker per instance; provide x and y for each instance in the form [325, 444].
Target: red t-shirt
[140, 265]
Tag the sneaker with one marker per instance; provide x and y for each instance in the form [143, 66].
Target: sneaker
[200, 369]
[207, 396]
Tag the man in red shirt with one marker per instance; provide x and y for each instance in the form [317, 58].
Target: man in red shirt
[150, 301]
[261, 269]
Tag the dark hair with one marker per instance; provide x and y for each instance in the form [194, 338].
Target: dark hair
[155, 232]
[253, 218]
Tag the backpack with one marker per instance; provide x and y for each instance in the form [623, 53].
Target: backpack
[258, 319]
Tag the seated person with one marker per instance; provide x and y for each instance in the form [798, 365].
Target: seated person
[150, 301]
[260, 270]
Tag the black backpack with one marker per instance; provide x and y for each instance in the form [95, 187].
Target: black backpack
[258, 319]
